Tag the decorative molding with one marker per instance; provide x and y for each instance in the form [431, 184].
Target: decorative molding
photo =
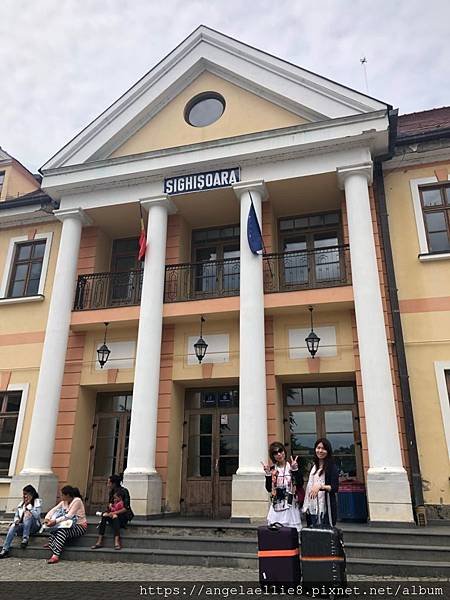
[162, 200]
[73, 213]
[440, 367]
[250, 186]
[366, 170]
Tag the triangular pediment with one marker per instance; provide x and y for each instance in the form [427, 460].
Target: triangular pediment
[272, 93]
[244, 113]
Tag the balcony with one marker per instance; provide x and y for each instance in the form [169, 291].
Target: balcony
[283, 272]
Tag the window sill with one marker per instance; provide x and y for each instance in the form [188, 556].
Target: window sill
[38, 298]
[436, 256]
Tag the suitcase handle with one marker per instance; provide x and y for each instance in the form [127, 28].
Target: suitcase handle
[275, 526]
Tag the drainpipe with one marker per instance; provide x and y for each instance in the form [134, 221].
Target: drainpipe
[380, 199]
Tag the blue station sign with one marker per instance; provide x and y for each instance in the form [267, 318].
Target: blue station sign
[199, 182]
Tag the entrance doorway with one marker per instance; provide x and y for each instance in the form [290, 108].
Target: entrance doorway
[330, 411]
[210, 451]
[109, 448]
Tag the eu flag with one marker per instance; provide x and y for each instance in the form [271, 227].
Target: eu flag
[254, 235]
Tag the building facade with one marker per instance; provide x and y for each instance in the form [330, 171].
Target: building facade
[216, 130]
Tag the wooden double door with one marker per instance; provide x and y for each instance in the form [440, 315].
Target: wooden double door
[109, 448]
[210, 452]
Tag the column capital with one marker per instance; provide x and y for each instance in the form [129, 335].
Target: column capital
[73, 213]
[251, 186]
[161, 200]
[365, 170]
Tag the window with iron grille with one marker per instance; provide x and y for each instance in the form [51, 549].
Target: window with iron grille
[9, 414]
[26, 269]
[435, 201]
[2, 180]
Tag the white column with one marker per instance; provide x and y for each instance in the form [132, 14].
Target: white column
[141, 477]
[249, 498]
[37, 467]
[387, 482]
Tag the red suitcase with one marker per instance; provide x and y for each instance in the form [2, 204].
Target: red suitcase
[278, 555]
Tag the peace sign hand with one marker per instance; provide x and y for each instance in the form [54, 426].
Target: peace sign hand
[294, 464]
[266, 468]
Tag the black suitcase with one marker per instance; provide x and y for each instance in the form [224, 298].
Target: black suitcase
[278, 555]
[323, 556]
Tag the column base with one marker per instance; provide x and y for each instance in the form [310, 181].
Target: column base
[249, 497]
[46, 485]
[389, 495]
[145, 491]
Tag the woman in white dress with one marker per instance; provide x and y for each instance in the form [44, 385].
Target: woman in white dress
[283, 480]
[323, 481]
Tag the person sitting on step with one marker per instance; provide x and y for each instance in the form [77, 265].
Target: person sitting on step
[73, 509]
[118, 517]
[27, 520]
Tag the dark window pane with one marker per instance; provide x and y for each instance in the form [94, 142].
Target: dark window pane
[13, 403]
[435, 221]
[293, 396]
[345, 395]
[18, 289]
[21, 272]
[205, 424]
[39, 250]
[229, 424]
[205, 466]
[338, 420]
[7, 429]
[439, 242]
[24, 251]
[302, 422]
[316, 220]
[447, 194]
[301, 222]
[331, 218]
[205, 445]
[5, 459]
[346, 465]
[32, 287]
[342, 443]
[208, 399]
[229, 444]
[205, 112]
[286, 224]
[213, 234]
[310, 396]
[227, 232]
[228, 466]
[431, 197]
[303, 444]
[328, 395]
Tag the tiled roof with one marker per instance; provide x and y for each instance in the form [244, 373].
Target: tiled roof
[424, 122]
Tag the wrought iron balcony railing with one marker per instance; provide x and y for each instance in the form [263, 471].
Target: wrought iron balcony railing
[108, 290]
[198, 281]
[283, 272]
[307, 269]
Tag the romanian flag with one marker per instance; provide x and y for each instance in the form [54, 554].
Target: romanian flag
[142, 240]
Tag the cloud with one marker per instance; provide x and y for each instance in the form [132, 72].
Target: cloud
[62, 62]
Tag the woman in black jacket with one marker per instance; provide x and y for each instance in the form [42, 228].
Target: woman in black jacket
[323, 481]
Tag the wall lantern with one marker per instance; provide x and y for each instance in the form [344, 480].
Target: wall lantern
[103, 352]
[200, 345]
[313, 340]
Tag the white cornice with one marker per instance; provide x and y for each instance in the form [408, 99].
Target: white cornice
[266, 75]
[281, 144]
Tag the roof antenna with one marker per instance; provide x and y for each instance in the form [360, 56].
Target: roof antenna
[363, 62]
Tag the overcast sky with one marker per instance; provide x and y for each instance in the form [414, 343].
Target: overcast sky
[62, 62]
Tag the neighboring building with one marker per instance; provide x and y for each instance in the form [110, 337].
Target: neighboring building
[417, 187]
[214, 127]
[27, 231]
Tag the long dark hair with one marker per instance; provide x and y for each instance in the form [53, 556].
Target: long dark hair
[73, 492]
[29, 489]
[328, 460]
[116, 480]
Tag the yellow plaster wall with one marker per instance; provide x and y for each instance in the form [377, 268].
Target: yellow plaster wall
[184, 372]
[82, 439]
[173, 489]
[343, 362]
[17, 182]
[427, 340]
[415, 279]
[244, 113]
[26, 316]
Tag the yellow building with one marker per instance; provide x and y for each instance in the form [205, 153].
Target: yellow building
[27, 231]
[417, 192]
[215, 131]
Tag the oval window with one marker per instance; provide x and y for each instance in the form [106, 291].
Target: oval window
[204, 109]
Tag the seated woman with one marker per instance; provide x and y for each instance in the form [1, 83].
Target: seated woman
[118, 517]
[27, 520]
[70, 507]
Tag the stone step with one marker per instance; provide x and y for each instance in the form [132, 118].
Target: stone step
[355, 566]
[434, 554]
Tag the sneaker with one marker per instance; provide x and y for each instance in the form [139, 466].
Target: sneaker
[4, 554]
[24, 542]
